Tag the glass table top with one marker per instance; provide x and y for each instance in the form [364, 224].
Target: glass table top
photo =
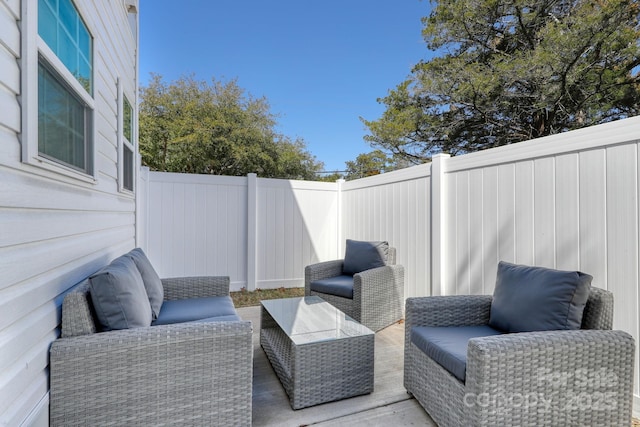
[311, 319]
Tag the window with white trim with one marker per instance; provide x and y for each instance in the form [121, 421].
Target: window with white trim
[58, 89]
[126, 171]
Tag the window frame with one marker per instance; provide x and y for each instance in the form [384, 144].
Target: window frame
[124, 143]
[34, 51]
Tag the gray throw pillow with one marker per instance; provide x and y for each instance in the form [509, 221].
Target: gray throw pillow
[151, 280]
[529, 299]
[360, 256]
[119, 297]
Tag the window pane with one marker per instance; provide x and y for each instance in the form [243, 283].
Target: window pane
[47, 24]
[84, 76]
[67, 52]
[66, 34]
[69, 17]
[127, 120]
[85, 55]
[84, 41]
[61, 122]
[127, 165]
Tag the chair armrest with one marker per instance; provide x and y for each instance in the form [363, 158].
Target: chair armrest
[166, 374]
[378, 283]
[322, 270]
[452, 310]
[561, 370]
[195, 287]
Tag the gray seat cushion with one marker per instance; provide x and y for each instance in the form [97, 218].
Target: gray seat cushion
[119, 296]
[341, 286]
[151, 280]
[448, 345]
[229, 318]
[529, 299]
[360, 256]
[189, 310]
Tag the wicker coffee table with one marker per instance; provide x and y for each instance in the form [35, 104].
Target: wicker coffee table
[318, 353]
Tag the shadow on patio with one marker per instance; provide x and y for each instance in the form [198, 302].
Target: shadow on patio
[389, 404]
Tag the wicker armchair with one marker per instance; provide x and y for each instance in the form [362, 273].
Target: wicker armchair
[179, 374]
[552, 378]
[378, 294]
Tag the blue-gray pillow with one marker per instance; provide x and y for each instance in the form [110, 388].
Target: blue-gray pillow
[119, 296]
[529, 299]
[360, 256]
[151, 280]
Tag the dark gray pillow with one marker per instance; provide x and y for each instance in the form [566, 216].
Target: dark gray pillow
[360, 256]
[151, 280]
[530, 299]
[119, 296]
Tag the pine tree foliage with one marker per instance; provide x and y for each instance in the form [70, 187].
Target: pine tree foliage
[513, 70]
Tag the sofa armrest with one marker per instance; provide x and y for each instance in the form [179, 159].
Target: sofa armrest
[322, 270]
[78, 314]
[578, 377]
[196, 373]
[195, 287]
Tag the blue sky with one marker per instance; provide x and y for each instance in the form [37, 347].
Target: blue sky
[320, 64]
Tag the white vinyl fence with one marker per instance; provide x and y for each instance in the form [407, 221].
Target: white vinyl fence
[568, 201]
[259, 232]
[395, 207]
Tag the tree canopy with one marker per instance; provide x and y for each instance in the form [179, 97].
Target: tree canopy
[369, 164]
[513, 70]
[192, 126]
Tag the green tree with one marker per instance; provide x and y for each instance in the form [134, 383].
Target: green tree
[368, 164]
[191, 126]
[330, 176]
[513, 70]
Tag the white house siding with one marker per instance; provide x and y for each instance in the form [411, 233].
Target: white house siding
[55, 230]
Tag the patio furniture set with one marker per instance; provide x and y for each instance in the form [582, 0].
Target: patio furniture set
[539, 351]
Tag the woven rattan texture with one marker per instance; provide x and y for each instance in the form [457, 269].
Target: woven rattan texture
[318, 372]
[184, 374]
[195, 287]
[598, 314]
[552, 378]
[378, 294]
[79, 315]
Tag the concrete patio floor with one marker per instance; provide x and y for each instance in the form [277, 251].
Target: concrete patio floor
[389, 404]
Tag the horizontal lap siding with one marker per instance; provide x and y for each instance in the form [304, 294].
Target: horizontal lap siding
[54, 230]
[9, 71]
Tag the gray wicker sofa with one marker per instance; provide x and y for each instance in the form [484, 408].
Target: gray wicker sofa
[189, 373]
[550, 378]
